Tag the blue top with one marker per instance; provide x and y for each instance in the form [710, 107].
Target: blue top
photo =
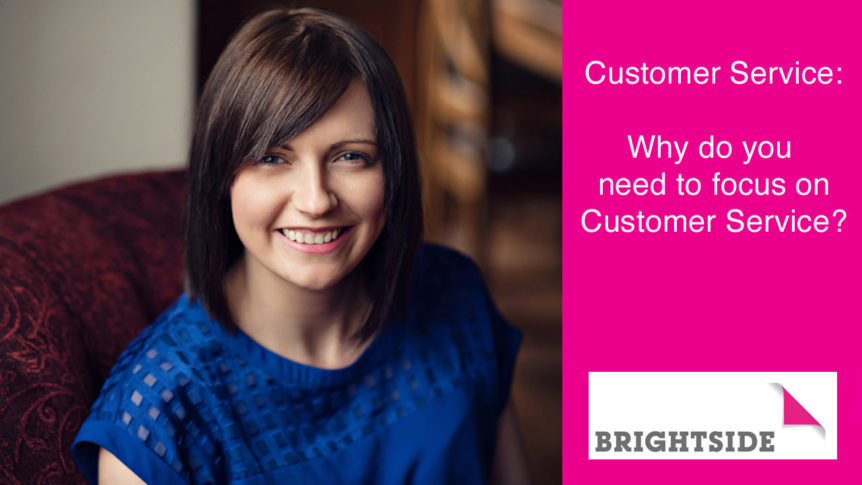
[189, 401]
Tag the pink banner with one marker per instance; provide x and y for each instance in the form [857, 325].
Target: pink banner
[712, 214]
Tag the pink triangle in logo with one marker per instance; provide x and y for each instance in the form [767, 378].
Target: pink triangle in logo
[794, 413]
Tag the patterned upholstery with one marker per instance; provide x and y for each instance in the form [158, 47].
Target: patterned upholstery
[83, 269]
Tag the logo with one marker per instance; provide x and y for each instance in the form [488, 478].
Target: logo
[713, 415]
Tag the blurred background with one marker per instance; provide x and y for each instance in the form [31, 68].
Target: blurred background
[95, 87]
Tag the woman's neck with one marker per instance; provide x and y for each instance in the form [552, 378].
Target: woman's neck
[312, 327]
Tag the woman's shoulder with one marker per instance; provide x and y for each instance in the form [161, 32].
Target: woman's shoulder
[181, 339]
[153, 394]
[432, 253]
[450, 303]
[183, 336]
[176, 355]
[458, 326]
[449, 285]
[446, 268]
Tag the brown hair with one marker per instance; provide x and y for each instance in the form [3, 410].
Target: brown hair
[282, 71]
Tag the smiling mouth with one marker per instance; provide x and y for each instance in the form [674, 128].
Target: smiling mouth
[313, 237]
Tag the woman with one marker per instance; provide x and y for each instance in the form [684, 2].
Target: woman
[318, 342]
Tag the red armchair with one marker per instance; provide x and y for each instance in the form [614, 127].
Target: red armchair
[83, 269]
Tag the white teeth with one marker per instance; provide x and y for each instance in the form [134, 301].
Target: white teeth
[306, 237]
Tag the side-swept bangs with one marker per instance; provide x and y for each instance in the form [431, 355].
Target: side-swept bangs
[281, 72]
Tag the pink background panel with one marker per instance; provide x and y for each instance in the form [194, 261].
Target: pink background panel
[717, 301]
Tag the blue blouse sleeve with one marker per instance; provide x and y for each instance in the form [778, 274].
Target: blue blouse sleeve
[144, 417]
[493, 337]
[507, 341]
[131, 419]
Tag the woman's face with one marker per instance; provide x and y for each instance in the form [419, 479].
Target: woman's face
[310, 210]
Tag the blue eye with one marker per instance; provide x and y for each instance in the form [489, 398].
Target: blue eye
[270, 159]
[354, 157]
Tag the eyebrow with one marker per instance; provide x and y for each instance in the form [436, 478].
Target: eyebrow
[339, 144]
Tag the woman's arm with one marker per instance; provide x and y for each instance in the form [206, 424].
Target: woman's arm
[112, 470]
[510, 459]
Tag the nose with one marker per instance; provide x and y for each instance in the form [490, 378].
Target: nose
[312, 196]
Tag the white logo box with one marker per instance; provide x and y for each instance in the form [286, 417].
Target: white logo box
[742, 403]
